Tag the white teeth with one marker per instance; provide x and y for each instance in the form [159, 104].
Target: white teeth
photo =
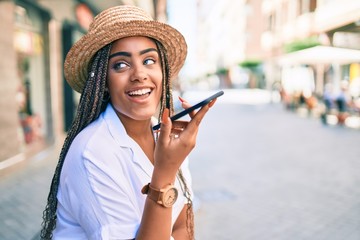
[140, 92]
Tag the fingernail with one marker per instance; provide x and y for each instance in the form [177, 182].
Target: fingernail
[181, 99]
[212, 103]
[165, 116]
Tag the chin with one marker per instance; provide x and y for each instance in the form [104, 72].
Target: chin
[144, 116]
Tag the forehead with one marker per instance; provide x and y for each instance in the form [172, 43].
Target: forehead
[136, 43]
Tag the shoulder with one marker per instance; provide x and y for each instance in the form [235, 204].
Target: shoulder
[103, 134]
[92, 138]
[95, 153]
[95, 135]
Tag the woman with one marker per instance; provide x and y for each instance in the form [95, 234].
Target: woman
[116, 178]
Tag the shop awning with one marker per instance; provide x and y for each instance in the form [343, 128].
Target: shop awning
[321, 55]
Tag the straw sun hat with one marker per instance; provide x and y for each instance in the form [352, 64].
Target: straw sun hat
[113, 24]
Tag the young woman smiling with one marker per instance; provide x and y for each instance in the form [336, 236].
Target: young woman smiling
[116, 178]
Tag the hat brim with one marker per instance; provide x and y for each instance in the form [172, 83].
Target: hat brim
[80, 55]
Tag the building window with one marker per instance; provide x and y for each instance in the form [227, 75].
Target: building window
[307, 6]
[29, 44]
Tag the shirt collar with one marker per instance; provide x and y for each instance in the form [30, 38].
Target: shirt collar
[118, 132]
[116, 128]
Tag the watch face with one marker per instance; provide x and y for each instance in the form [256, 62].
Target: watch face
[169, 197]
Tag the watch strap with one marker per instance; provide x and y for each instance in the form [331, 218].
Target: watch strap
[153, 193]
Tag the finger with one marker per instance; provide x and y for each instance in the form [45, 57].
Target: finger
[178, 127]
[182, 99]
[201, 113]
[186, 105]
[196, 120]
[179, 124]
[166, 126]
[175, 131]
[212, 103]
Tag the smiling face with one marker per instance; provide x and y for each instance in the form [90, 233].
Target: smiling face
[135, 77]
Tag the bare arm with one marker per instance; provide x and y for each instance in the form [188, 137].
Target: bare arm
[169, 154]
[179, 229]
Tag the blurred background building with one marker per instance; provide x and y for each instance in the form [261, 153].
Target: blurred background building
[37, 106]
[294, 46]
[308, 44]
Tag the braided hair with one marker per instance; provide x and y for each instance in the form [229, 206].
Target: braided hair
[93, 101]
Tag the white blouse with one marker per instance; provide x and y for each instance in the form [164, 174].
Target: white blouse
[99, 194]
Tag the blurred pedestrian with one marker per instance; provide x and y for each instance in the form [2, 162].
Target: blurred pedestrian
[116, 178]
[328, 98]
[342, 101]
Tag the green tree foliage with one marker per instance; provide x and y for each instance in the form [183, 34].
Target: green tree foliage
[301, 44]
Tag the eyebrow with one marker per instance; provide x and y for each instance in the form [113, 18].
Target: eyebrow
[127, 54]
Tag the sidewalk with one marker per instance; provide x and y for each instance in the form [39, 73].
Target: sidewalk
[24, 189]
[262, 173]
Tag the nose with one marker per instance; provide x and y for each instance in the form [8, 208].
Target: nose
[139, 73]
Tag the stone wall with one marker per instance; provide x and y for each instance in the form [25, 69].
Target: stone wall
[10, 129]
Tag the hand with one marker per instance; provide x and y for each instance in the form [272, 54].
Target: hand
[176, 140]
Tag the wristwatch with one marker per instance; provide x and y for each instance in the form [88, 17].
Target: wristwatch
[166, 197]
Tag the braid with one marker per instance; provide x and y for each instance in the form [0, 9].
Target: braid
[189, 209]
[166, 95]
[167, 102]
[90, 106]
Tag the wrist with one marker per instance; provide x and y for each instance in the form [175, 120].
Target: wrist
[161, 178]
[165, 196]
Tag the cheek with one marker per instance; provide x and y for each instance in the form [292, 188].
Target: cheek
[158, 78]
[115, 86]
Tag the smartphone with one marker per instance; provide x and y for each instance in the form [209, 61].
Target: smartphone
[192, 108]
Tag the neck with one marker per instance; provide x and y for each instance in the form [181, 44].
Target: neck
[136, 128]
[141, 133]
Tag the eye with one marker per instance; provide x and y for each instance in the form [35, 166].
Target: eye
[119, 65]
[149, 61]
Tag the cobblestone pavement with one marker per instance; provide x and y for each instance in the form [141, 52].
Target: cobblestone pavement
[23, 196]
[259, 173]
